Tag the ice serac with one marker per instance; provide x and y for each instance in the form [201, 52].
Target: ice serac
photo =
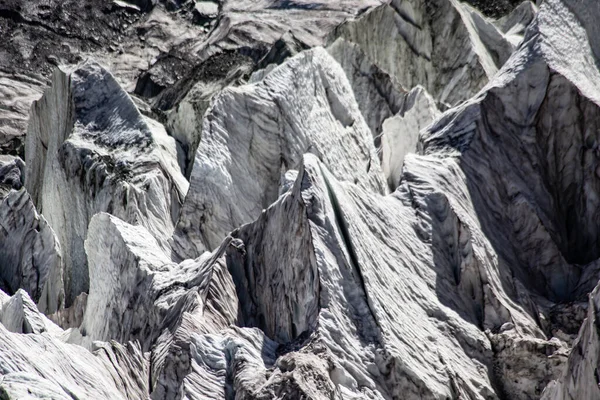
[496, 231]
[580, 379]
[19, 314]
[514, 24]
[444, 45]
[527, 146]
[123, 260]
[253, 134]
[138, 295]
[400, 133]
[191, 330]
[66, 371]
[246, 35]
[378, 96]
[133, 283]
[30, 255]
[343, 253]
[394, 115]
[476, 278]
[518, 165]
[90, 150]
[154, 315]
